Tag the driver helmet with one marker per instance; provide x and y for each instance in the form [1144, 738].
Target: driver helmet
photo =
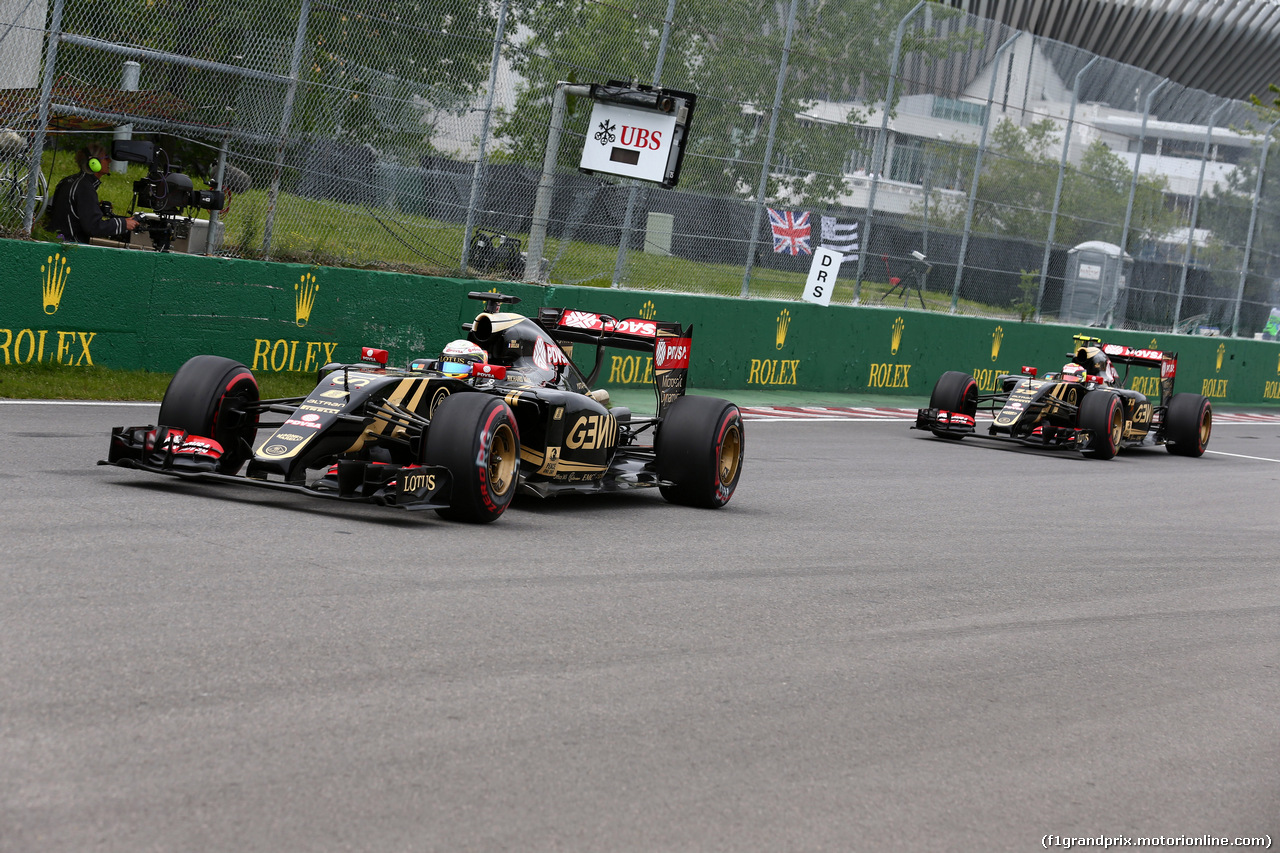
[1072, 372]
[457, 357]
[1099, 365]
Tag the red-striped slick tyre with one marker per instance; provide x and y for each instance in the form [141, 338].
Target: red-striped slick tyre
[954, 392]
[476, 438]
[1102, 414]
[1187, 424]
[699, 448]
[194, 402]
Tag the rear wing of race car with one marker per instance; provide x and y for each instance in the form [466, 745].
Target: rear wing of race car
[668, 343]
[1165, 362]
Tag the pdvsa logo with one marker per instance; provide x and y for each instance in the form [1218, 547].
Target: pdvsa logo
[672, 354]
[304, 299]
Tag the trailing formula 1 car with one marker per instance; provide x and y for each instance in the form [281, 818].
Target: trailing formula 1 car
[505, 410]
[1084, 407]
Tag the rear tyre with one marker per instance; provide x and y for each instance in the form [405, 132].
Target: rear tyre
[699, 448]
[954, 392]
[476, 438]
[206, 397]
[1102, 414]
[1187, 424]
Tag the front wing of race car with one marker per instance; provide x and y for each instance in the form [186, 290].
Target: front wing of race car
[941, 421]
[162, 450]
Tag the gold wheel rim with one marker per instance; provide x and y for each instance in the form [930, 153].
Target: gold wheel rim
[503, 456]
[1117, 428]
[1206, 426]
[730, 455]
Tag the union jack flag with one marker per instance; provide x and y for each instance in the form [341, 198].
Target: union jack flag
[790, 231]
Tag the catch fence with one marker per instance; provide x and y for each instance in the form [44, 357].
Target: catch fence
[962, 166]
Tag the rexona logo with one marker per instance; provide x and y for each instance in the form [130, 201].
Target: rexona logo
[889, 374]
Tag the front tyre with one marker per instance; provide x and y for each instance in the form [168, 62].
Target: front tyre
[1102, 415]
[699, 448]
[954, 392]
[207, 397]
[476, 438]
[1187, 424]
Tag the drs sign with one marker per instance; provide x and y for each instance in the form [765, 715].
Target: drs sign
[822, 276]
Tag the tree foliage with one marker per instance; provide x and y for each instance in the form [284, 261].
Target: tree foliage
[1019, 179]
[729, 53]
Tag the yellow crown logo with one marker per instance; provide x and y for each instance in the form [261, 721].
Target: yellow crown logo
[304, 299]
[898, 326]
[55, 281]
[996, 337]
[784, 321]
[648, 311]
[1222, 350]
[1153, 344]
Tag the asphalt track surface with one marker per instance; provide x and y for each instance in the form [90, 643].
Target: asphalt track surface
[885, 642]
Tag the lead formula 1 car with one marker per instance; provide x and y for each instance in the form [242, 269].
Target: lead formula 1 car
[460, 437]
[1084, 407]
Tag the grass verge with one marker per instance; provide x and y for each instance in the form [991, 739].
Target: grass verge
[58, 382]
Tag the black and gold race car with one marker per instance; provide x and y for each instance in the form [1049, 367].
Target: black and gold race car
[1084, 407]
[459, 438]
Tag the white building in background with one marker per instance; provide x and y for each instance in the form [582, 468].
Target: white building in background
[1028, 89]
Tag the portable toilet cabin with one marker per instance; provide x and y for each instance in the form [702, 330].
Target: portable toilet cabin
[1095, 292]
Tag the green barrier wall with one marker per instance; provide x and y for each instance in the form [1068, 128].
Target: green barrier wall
[85, 305]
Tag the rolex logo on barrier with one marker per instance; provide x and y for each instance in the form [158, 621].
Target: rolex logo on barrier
[890, 374]
[304, 299]
[55, 282]
[996, 337]
[784, 321]
[648, 311]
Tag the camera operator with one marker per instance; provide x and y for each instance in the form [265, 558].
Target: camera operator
[76, 213]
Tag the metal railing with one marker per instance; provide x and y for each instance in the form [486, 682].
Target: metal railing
[1041, 181]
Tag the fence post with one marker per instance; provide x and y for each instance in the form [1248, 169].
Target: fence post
[546, 183]
[1195, 215]
[768, 148]
[477, 173]
[977, 170]
[1057, 193]
[877, 155]
[286, 118]
[1253, 219]
[1133, 185]
[46, 95]
[633, 192]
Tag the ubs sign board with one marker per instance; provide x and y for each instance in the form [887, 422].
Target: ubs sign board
[637, 132]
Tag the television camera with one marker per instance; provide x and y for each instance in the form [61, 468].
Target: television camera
[167, 191]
